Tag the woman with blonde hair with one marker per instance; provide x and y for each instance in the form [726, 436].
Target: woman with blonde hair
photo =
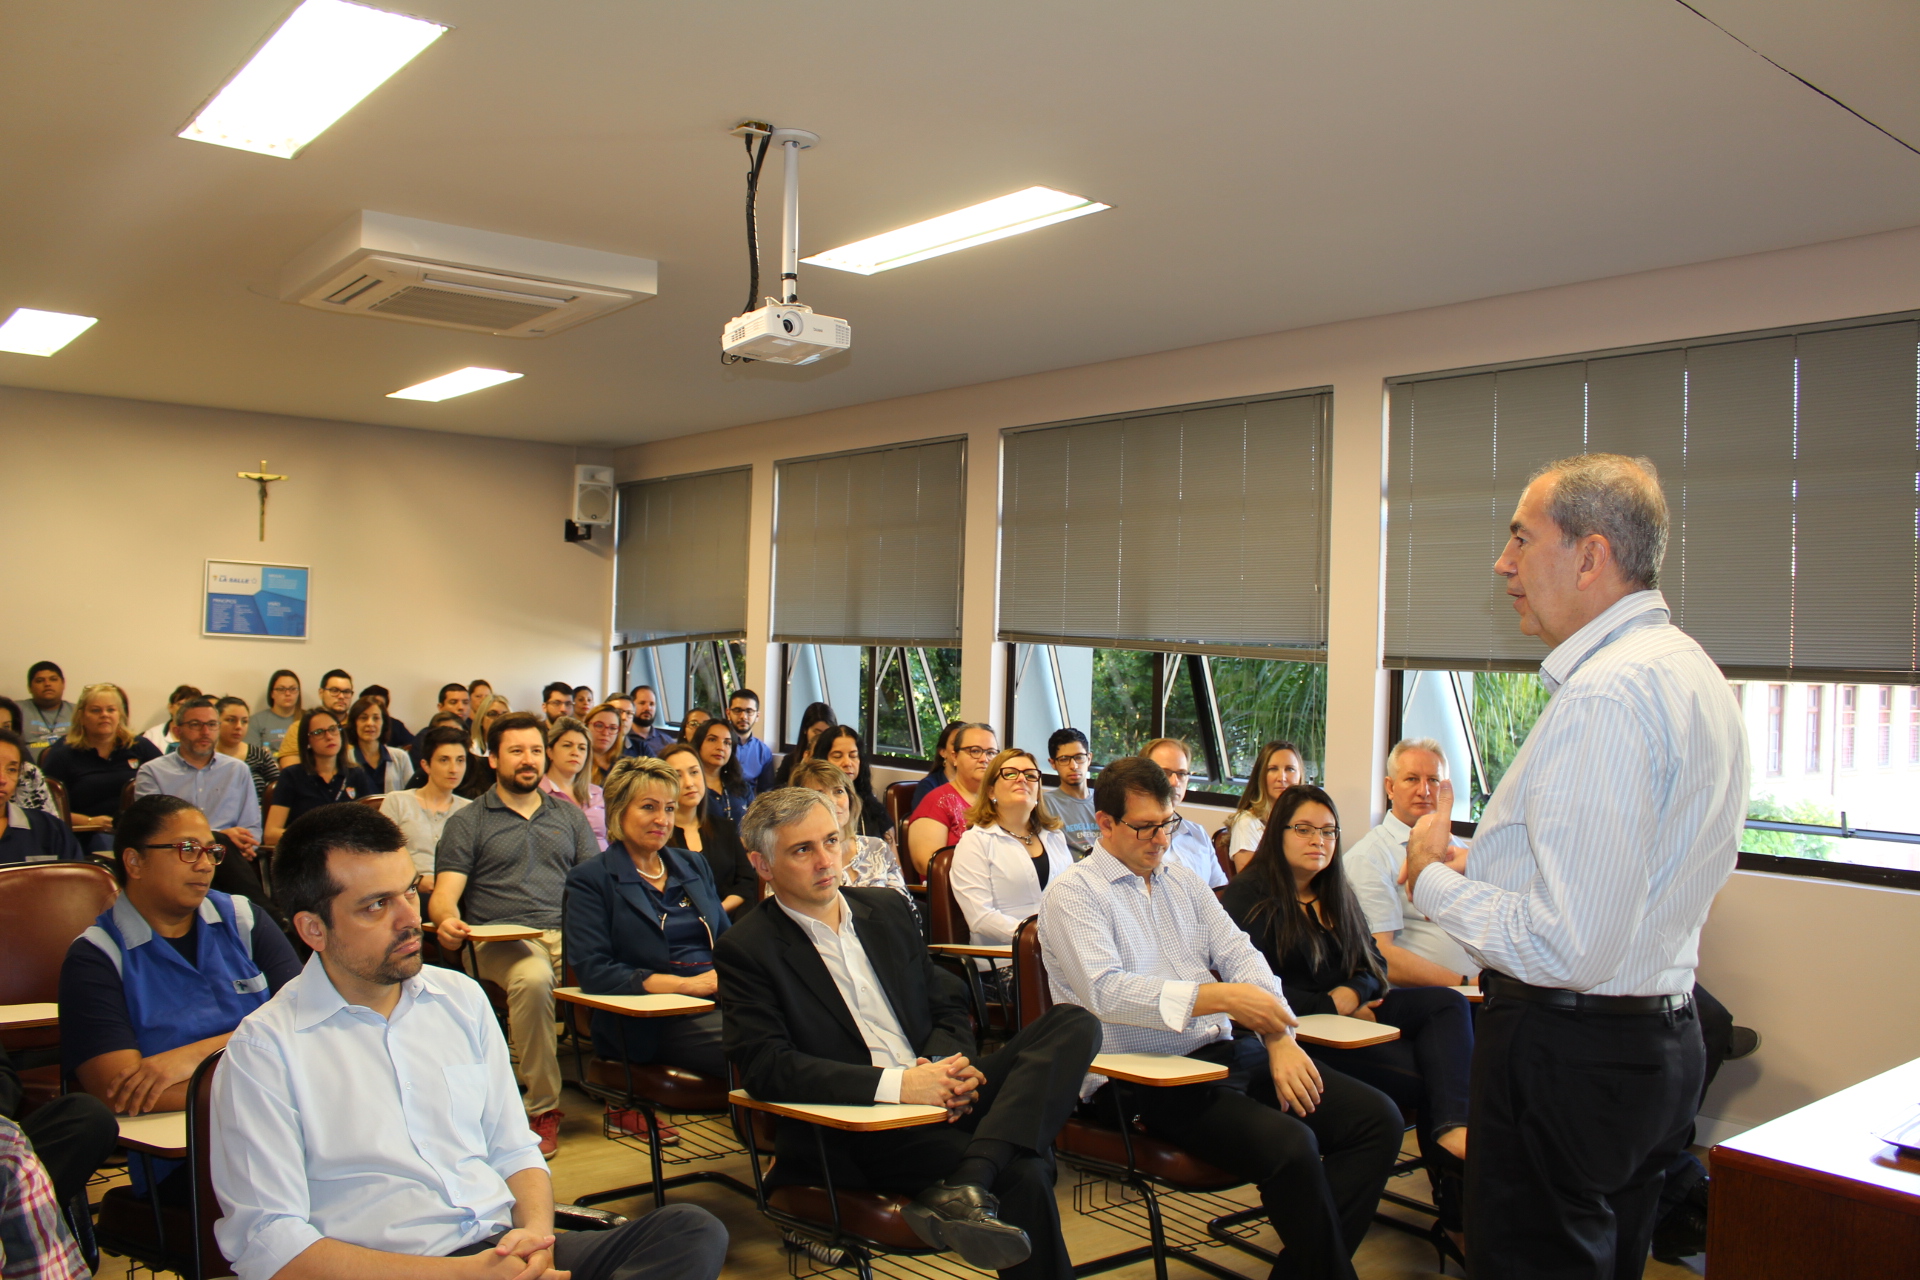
[480, 773]
[866, 861]
[1278, 766]
[96, 761]
[1012, 849]
[569, 753]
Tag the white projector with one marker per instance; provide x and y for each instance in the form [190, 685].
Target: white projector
[785, 333]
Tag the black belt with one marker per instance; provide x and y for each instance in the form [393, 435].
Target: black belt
[1498, 986]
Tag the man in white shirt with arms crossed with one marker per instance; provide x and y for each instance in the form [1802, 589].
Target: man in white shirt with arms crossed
[1590, 877]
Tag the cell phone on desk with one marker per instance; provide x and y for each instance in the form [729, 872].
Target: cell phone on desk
[1905, 1137]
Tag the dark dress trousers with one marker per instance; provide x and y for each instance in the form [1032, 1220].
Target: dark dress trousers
[794, 1039]
[616, 939]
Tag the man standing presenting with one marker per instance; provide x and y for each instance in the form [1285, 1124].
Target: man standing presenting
[755, 757]
[644, 739]
[1590, 877]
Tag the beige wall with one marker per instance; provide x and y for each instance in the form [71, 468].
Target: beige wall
[1766, 984]
[115, 505]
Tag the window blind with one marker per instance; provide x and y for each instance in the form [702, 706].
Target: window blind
[1790, 462]
[680, 559]
[867, 546]
[1198, 529]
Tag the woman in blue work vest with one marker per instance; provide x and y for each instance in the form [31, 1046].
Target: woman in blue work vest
[163, 977]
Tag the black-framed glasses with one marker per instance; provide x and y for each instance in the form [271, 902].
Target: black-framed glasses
[1075, 758]
[191, 850]
[1305, 832]
[1149, 830]
[1030, 776]
[321, 733]
[978, 753]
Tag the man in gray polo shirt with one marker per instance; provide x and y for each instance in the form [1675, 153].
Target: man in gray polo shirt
[504, 860]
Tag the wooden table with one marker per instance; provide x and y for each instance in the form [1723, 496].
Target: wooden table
[1472, 993]
[1336, 1031]
[639, 1006]
[1156, 1069]
[18, 1017]
[501, 932]
[854, 1119]
[1817, 1194]
[1000, 951]
[157, 1133]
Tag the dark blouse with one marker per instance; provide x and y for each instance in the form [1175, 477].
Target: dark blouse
[93, 784]
[689, 941]
[1306, 984]
[733, 873]
[302, 793]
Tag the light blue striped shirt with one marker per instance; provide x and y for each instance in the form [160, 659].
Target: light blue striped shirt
[1617, 822]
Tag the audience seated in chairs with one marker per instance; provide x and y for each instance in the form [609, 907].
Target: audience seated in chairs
[318, 776]
[1072, 801]
[454, 707]
[37, 1242]
[336, 695]
[815, 720]
[1190, 846]
[1279, 765]
[383, 767]
[48, 715]
[422, 812]
[504, 859]
[1138, 939]
[942, 772]
[236, 719]
[569, 761]
[941, 818]
[727, 792]
[642, 918]
[218, 786]
[278, 715]
[1011, 852]
[31, 791]
[582, 701]
[95, 762]
[28, 835]
[606, 732]
[398, 735]
[691, 722]
[1294, 903]
[829, 996]
[556, 700]
[753, 756]
[370, 1115]
[869, 862]
[839, 745]
[645, 736]
[697, 829]
[163, 976]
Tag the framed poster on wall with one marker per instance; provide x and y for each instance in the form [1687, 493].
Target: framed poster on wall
[245, 598]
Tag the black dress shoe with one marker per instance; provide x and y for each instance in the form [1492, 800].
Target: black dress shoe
[966, 1219]
[1742, 1042]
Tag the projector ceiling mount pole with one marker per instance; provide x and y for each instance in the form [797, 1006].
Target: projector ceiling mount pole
[791, 143]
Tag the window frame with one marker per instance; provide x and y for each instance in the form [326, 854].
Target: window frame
[874, 675]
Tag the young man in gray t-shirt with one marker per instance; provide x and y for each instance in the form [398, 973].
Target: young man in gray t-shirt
[1071, 802]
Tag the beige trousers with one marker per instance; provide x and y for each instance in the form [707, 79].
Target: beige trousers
[529, 971]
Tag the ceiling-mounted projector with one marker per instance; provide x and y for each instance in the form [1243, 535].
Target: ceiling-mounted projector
[784, 330]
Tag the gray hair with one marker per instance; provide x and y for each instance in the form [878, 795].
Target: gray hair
[1405, 745]
[776, 809]
[1618, 498]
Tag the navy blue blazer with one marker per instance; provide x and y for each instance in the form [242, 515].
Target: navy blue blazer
[614, 942]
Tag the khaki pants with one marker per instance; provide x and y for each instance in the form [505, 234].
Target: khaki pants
[529, 971]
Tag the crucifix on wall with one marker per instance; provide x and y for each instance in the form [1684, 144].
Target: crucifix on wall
[262, 478]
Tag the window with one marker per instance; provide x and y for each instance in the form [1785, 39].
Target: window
[1225, 708]
[1776, 727]
[1849, 707]
[680, 558]
[1816, 701]
[684, 676]
[1883, 737]
[916, 692]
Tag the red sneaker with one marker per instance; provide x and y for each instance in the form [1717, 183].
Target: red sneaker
[546, 1127]
[633, 1121]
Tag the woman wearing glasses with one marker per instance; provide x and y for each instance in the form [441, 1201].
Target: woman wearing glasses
[642, 918]
[321, 776]
[839, 745]
[164, 975]
[941, 819]
[1010, 853]
[1278, 766]
[269, 725]
[1294, 901]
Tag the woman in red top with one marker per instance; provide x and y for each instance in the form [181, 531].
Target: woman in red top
[941, 818]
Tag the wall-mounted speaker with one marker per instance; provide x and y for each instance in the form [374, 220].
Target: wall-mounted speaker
[593, 495]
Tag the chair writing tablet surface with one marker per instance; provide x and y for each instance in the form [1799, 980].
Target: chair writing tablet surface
[1335, 1031]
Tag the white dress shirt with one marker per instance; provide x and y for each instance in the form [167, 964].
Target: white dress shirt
[1616, 824]
[1244, 832]
[846, 959]
[994, 880]
[1136, 959]
[395, 1134]
[1373, 867]
[1192, 849]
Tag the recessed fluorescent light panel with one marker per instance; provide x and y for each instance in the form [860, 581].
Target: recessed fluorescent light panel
[1027, 210]
[457, 383]
[320, 63]
[41, 333]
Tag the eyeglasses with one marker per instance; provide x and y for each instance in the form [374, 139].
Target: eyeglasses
[1152, 829]
[191, 851]
[322, 733]
[1030, 776]
[199, 724]
[1075, 758]
[1305, 832]
[978, 753]
[1179, 775]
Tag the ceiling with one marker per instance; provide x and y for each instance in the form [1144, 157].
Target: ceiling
[1271, 163]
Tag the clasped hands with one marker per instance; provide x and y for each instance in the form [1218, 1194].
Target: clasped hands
[1432, 841]
[520, 1255]
[952, 1082]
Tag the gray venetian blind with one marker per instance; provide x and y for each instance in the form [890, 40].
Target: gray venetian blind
[867, 546]
[681, 558]
[1790, 464]
[1200, 529]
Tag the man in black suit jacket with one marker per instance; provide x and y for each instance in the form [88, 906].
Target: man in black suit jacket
[829, 996]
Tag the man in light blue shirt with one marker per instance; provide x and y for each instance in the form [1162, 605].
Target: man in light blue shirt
[1190, 846]
[217, 785]
[366, 1119]
[755, 756]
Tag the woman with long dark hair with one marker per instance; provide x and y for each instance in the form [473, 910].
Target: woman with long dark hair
[840, 745]
[727, 794]
[815, 720]
[1294, 901]
[1278, 766]
[321, 776]
[697, 828]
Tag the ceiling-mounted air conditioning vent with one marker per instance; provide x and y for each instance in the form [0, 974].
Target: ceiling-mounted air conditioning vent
[457, 278]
